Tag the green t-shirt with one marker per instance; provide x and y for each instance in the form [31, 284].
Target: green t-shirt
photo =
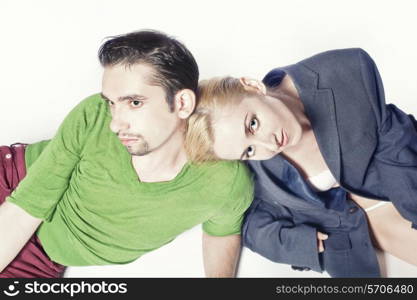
[96, 211]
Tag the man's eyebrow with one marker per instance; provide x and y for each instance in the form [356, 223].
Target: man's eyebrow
[124, 98]
[104, 97]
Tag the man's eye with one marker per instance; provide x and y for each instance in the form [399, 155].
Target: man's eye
[250, 151]
[253, 125]
[136, 103]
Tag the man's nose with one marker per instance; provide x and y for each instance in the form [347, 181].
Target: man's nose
[117, 123]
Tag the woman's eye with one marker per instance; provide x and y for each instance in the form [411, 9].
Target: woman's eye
[136, 103]
[253, 125]
[250, 151]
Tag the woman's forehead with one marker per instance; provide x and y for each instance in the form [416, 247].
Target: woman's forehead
[229, 131]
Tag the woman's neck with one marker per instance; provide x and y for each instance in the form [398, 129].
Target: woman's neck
[305, 155]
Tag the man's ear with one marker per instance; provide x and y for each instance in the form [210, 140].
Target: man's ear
[184, 103]
[253, 85]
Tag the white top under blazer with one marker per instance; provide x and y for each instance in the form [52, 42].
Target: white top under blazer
[325, 181]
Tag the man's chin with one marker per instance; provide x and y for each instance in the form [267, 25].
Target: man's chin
[137, 152]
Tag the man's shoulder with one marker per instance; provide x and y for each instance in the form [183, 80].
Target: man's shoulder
[88, 112]
[228, 176]
[223, 169]
[92, 101]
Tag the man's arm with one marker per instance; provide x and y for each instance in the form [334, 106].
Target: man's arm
[220, 255]
[48, 178]
[16, 228]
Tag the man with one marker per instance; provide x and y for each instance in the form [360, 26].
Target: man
[115, 183]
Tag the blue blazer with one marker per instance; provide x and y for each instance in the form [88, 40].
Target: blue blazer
[371, 150]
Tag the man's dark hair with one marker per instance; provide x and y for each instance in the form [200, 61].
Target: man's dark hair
[174, 65]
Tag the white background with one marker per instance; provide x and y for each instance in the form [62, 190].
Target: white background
[48, 63]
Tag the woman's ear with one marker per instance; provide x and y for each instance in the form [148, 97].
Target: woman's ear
[184, 103]
[253, 85]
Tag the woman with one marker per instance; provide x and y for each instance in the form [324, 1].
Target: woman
[340, 148]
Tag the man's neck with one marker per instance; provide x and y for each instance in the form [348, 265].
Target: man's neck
[162, 164]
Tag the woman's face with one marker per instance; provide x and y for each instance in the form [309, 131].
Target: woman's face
[258, 128]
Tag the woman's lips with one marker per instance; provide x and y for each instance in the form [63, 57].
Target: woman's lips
[282, 142]
[284, 139]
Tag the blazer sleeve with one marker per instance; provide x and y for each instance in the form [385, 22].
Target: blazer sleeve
[395, 156]
[396, 160]
[277, 238]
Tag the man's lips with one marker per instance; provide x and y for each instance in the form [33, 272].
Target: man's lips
[128, 142]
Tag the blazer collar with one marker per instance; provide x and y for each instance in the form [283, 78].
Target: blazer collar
[277, 181]
[273, 178]
[320, 109]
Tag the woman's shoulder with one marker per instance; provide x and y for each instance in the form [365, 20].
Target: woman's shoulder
[337, 58]
[344, 64]
[347, 65]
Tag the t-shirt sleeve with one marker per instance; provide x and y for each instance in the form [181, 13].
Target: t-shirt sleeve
[48, 177]
[228, 220]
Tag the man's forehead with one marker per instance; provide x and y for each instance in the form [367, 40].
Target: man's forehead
[140, 71]
[138, 76]
[120, 82]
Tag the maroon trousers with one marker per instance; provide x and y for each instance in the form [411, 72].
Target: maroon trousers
[32, 261]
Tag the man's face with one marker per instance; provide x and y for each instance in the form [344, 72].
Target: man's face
[141, 117]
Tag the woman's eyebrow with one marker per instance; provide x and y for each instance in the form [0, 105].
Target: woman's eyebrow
[245, 130]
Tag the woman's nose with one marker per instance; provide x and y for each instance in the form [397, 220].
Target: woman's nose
[268, 144]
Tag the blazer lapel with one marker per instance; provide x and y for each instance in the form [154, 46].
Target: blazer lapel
[320, 109]
[277, 181]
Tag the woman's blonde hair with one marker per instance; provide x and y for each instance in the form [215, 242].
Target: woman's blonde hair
[212, 95]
